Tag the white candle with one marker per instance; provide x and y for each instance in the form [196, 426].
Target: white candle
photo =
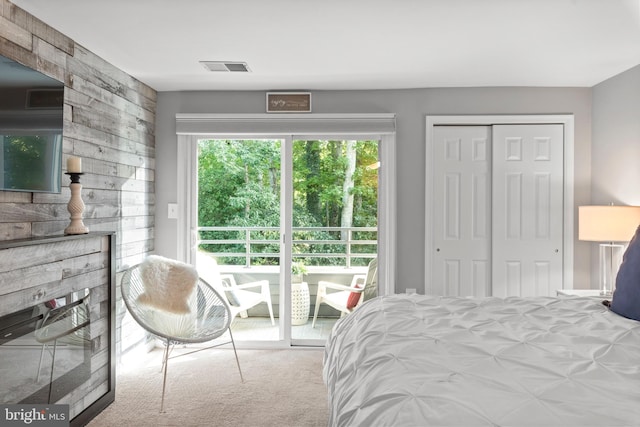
[74, 165]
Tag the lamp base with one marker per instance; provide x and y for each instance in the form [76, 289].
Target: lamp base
[610, 260]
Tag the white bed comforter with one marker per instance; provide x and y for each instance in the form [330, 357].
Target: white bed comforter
[411, 360]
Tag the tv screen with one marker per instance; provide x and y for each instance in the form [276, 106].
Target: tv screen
[31, 121]
[31, 162]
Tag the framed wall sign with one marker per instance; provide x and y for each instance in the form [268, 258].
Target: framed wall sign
[288, 102]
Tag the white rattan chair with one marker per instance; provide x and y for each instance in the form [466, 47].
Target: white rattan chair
[239, 297]
[347, 298]
[170, 301]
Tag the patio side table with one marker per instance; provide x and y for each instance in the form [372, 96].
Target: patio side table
[300, 303]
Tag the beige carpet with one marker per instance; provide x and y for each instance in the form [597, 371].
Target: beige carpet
[282, 388]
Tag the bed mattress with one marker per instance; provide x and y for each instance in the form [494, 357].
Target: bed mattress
[412, 360]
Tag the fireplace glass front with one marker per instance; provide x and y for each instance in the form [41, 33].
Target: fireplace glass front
[45, 350]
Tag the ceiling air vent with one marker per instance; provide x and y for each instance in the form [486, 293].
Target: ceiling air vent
[227, 66]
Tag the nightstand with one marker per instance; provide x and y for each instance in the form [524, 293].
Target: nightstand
[582, 293]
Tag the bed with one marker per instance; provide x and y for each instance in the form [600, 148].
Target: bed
[413, 360]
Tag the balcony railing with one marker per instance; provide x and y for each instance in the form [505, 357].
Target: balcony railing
[314, 245]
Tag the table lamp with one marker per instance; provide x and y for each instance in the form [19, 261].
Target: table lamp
[613, 226]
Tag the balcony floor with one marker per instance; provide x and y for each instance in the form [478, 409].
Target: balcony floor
[260, 329]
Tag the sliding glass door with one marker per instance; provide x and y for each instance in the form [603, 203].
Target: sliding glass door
[328, 205]
[239, 229]
[334, 228]
[280, 221]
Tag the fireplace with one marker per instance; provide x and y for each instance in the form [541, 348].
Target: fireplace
[57, 323]
[45, 350]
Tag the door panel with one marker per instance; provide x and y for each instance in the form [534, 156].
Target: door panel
[462, 225]
[527, 209]
[238, 222]
[498, 214]
[334, 227]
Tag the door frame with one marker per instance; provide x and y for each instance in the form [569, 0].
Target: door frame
[192, 127]
[567, 120]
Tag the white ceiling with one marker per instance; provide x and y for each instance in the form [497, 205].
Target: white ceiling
[354, 44]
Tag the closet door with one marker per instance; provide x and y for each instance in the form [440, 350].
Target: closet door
[527, 209]
[462, 211]
[497, 210]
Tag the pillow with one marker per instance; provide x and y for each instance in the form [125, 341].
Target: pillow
[354, 298]
[232, 297]
[168, 284]
[626, 297]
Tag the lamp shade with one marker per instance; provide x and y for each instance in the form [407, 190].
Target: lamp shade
[608, 223]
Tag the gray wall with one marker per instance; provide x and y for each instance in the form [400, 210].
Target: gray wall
[410, 107]
[616, 140]
[616, 145]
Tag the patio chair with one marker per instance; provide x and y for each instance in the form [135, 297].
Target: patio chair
[240, 298]
[347, 298]
[170, 301]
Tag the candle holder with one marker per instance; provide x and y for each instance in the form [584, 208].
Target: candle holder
[75, 206]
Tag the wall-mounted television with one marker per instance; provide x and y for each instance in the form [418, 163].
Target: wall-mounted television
[31, 121]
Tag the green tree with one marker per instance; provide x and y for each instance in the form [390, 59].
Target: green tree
[237, 182]
[334, 185]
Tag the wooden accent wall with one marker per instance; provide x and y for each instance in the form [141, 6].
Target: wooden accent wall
[109, 121]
